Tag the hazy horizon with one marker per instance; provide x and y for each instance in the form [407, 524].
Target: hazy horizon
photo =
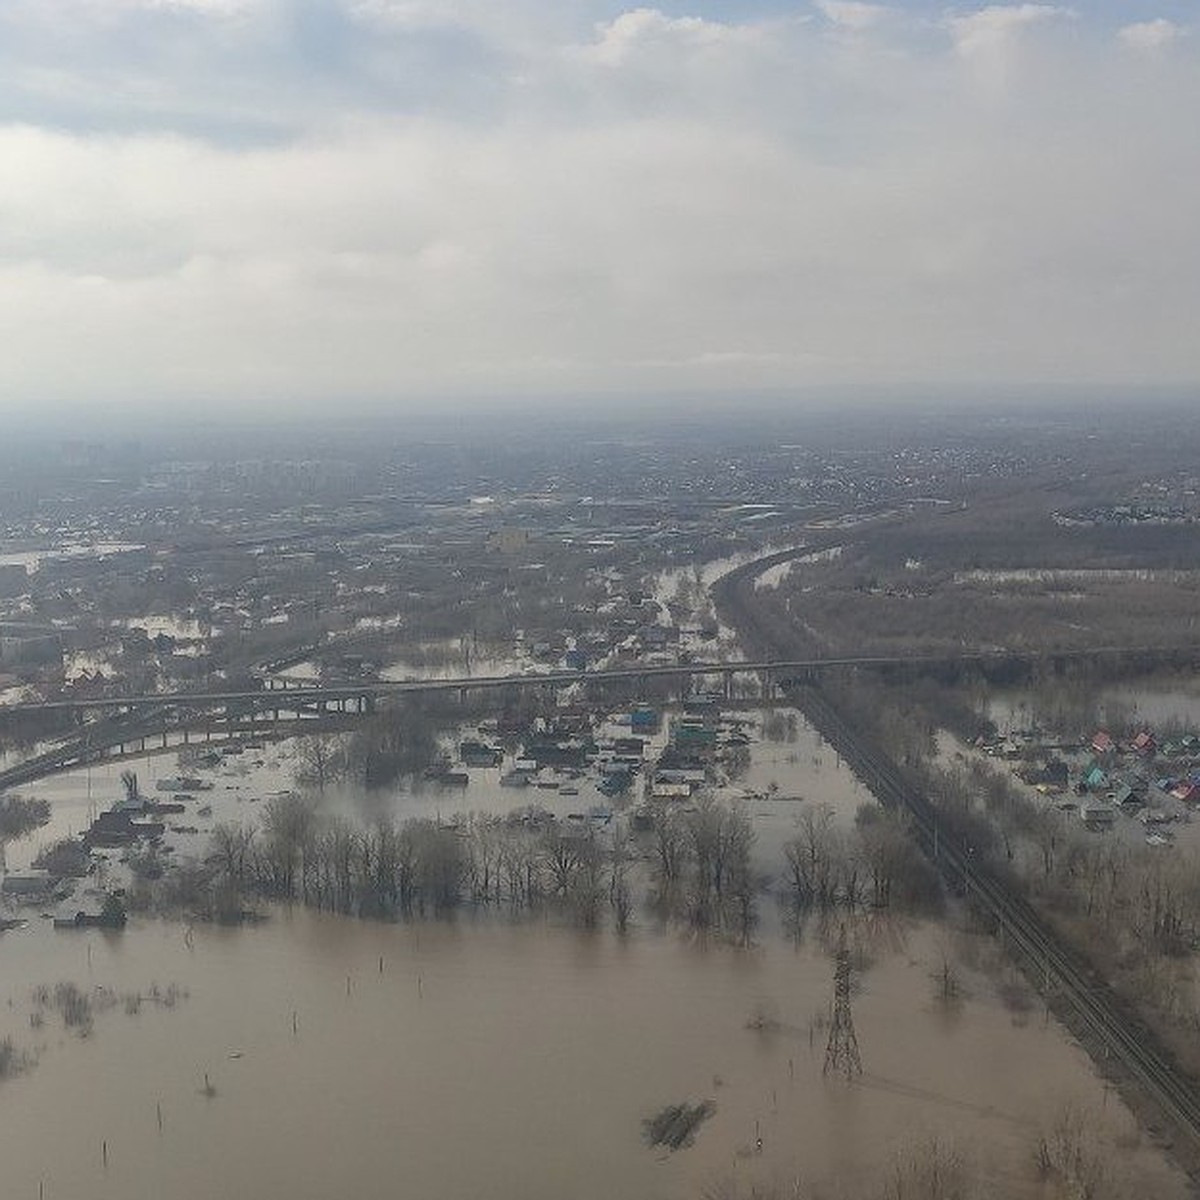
[815, 416]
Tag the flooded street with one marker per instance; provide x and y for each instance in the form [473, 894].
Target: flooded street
[781, 775]
[487, 1059]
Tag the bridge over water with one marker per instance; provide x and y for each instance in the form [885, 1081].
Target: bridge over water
[137, 723]
[360, 696]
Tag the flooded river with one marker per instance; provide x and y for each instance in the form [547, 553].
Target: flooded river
[1160, 704]
[319, 1056]
[483, 1058]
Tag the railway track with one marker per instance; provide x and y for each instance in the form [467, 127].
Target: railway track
[1121, 1035]
[1115, 1034]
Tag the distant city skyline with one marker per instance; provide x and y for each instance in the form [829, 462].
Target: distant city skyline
[261, 206]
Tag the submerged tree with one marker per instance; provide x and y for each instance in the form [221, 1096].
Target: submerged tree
[18, 818]
[322, 760]
[396, 743]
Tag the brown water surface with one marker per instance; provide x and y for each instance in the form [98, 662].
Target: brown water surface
[485, 1059]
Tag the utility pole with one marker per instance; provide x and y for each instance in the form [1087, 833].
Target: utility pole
[841, 1054]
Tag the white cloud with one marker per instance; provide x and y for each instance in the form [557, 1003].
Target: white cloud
[852, 14]
[643, 28]
[996, 26]
[1150, 35]
[109, 11]
[214, 7]
[661, 201]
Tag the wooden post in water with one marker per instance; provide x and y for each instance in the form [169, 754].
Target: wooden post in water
[158, 1109]
[104, 1153]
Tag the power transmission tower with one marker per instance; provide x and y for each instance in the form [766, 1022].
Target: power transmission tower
[841, 1054]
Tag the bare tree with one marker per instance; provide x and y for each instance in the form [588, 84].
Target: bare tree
[1066, 1155]
[670, 844]
[931, 1170]
[810, 858]
[231, 846]
[18, 818]
[619, 894]
[289, 825]
[321, 759]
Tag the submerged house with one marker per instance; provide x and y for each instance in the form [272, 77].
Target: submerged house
[118, 828]
[1144, 744]
[1053, 775]
[479, 754]
[1097, 814]
[30, 887]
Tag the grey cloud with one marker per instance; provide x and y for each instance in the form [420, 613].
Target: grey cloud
[631, 202]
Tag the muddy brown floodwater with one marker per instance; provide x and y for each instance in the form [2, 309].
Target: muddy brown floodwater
[498, 1060]
[512, 1061]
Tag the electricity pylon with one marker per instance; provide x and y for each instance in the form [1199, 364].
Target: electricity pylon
[841, 1054]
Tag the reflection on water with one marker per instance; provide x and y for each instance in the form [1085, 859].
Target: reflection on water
[454, 658]
[1171, 703]
[481, 1059]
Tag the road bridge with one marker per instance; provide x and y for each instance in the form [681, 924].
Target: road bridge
[361, 696]
[138, 723]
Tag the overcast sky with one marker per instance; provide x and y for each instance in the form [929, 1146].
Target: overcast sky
[262, 203]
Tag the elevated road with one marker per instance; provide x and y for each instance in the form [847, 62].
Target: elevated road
[777, 668]
[95, 740]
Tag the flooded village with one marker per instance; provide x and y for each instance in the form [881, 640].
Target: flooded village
[472, 845]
